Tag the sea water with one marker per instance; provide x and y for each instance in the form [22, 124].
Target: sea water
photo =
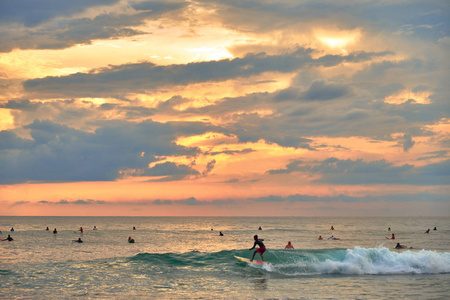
[186, 258]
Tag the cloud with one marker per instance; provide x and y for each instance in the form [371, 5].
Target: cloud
[32, 13]
[355, 172]
[192, 201]
[408, 142]
[209, 167]
[75, 202]
[171, 171]
[320, 90]
[419, 197]
[140, 77]
[57, 24]
[18, 203]
[58, 153]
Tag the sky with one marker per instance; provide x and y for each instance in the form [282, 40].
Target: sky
[224, 108]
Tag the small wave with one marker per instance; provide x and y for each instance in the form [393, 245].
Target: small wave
[356, 261]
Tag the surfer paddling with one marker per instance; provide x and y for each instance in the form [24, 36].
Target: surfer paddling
[392, 237]
[9, 239]
[261, 248]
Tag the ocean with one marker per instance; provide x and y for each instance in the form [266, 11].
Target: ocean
[186, 258]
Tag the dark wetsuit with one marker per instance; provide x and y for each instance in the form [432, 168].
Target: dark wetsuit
[262, 248]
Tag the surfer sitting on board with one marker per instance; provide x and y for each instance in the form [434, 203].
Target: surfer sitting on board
[261, 248]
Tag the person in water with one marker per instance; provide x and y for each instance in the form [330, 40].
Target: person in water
[130, 240]
[392, 237]
[55, 231]
[289, 245]
[433, 228]
[220, 233]
[320, 237]
[261, 248]
[81, 229]
[333, 238]
[398, 246]
[389, 229]
[428, 230]
[78, 241]
[260, 228]
[12, 228]
[134, 228]
[95, 228]
[47, 229]
[332, 228]
[9, 239]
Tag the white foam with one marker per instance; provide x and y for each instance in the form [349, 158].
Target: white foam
[383, 261]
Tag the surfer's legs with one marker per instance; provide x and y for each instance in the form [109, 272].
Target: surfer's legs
[254, 252]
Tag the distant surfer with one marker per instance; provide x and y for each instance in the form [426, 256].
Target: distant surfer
[95, 228]
[332, 228]
[220, 233]
[78, 241]
[12, 228]
[434, 228]
[47, 229]
[389, 229]
[130, 240]
[398, 246]
[333, 238]
[9, 239]
[392, 237]
[289, 245]
[81, 229]
[134, 228]
[428, 230]
[55, 231]
[261, 248]
[320, 237]
[260, 228]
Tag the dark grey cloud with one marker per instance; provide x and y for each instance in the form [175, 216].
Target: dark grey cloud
[421, 19]
[31, 12]
[320, 90]
[408, 142]
[416, 197]
[230, 152]
[171, 172]
[76, 202]
[192, 201]
[435, 154]
[45, 29]
[144, 76]
[354, 172]
[58, 153]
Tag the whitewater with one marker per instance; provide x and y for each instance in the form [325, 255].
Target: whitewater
[186, 258]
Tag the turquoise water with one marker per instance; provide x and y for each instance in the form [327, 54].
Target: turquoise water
[182, 258]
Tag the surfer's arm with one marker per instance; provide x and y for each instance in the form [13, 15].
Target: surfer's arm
[254, 245]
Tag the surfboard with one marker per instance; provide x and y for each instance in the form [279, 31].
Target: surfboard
[255, 262]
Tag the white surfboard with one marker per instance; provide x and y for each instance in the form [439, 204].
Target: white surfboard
[255, 262]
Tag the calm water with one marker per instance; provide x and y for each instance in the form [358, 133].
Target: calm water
[182, 258]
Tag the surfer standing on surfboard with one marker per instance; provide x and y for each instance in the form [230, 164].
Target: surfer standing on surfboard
[261, 248]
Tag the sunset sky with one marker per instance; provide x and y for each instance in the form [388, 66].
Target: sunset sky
[224, 108]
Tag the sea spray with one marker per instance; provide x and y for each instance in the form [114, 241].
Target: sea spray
[359, 261]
